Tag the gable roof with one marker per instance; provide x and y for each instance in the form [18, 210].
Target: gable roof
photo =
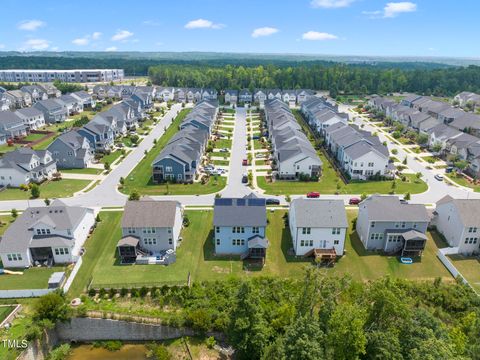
[389, 208]
[149, 213]
[319, 213]
[239, 212]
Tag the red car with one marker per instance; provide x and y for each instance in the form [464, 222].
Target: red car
[313, 194]
[354, 201]
[245, 162]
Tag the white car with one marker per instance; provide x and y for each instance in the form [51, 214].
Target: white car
[259, 156]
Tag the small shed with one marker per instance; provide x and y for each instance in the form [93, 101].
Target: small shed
[56, 280]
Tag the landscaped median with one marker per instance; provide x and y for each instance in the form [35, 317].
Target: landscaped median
[140, 179]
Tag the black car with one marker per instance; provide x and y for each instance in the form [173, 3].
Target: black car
[244, 179]
[272, 201]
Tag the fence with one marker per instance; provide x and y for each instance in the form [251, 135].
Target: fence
[74, 272]
[26, 293]
[442, 256]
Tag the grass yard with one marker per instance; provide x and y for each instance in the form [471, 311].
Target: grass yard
[33, 137]
[32, 278]
[221, 162]
[257, 144]
[223, 143]
[5, 311]
[140, 177]
[328, 184]
[51, 189]
[469, 267]
[460, 180]
[195, 256]
[90, 171]
[42, 145]
[260, 162]
[110, 158]
[5, 221]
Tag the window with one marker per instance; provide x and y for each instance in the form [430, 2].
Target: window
[310, 242]
[218, 241]
[169, 231]
[38, 232]
[14, 257]
[131, 230]
[306, 231]
[336, 242]
[150, 241]
[243, 242]
[376, 236]
[370, 164]
[170, 241]
[397, 225]
[372, 224]
[256, 230]
[403, 225]
[234, 242]
[302, 242]
[61, 251]
[472, 229]
[414, 225]
[168, 169]
[217, 229]
[336, 231]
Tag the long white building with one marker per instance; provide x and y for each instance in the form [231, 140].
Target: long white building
[74, 75]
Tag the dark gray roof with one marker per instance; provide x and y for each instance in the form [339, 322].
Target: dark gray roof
[239, 212]
[149, 213]
[319, 213]
[389, 208]
[29, 112]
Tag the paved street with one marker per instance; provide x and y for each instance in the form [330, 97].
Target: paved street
[105, 194]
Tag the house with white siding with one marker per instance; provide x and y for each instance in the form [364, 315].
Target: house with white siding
[32, 118]
[458, 221]
[46, 235]
[317, 224]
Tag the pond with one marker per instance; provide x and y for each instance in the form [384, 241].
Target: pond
[127, 352]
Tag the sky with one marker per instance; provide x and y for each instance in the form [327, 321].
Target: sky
[447, 28]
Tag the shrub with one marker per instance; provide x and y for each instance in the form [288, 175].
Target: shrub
[210, 342]
[123, 292]
[102, 292]
[60, 353]
[134, 196]
[143, 291]
[92, 292]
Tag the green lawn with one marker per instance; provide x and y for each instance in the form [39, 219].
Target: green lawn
[196, 256]
[5, 221]
[51, 189]
[45, 143]
[91, 171]
[32, 278]
[460, 180]
[33, 137]
[223, 143]
[110, 158]
[140, 177]
[221, 162]
[469, 267]
[328, 184]
[257, 144]
[5, 148]
[5, 311]
[260, 162]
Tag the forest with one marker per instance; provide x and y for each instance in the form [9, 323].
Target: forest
[320, 317]
[337, 78]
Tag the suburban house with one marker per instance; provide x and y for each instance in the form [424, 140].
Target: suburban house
[53, 111]
[318, 227]
[144, 99]
[209, 94]
[32, 118]
[5, 102]
[36, 92]
[245, 96]
[259, 97]
[149, 228]
[18, 98]
[180, 159]
[303, 95]
[71, 151]
[72, 104]
[193, 95]
[180, 95]
[165, 93]
[466, 97]
[386, 224]
[12, 125]
[293, 153]
[274, 94]
[458, 221]
[24, 165]
[231, 97]
[101, 136]
[358, 153]
[46, 235]
[440, 134]
[290, 97]
[50, 90]
[239, 226]
[84, 99]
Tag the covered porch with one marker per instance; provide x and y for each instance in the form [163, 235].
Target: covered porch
[413, 243]
[127, 249]
[257, 248]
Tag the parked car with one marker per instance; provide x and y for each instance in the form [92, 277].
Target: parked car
[354, 201]
[313, 194]
[256, 137]
[259, 155]
[244, 179]
[272, 201]
[223, 150]
[448, 169]
[245, 162]
[439, 177]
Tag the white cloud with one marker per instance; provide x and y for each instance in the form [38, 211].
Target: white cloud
[96, 35]
[331, 4]
[2, 46]
[81, 41]
[203, 24]
[122, 35]
[264, 31]
[111, 48]
[36, 44]
[30, 25]
[315, 35]
[395, 8]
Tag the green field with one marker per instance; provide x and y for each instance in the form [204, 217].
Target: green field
[469, 267]
[110, 158]
[140, 177]
[90, 171]
[223, 143]
[221, 162]
[5, 221]
[32, 278]
[195, 256]
[33, 137]
[50, 190]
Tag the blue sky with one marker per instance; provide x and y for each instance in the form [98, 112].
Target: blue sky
[340, 27]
